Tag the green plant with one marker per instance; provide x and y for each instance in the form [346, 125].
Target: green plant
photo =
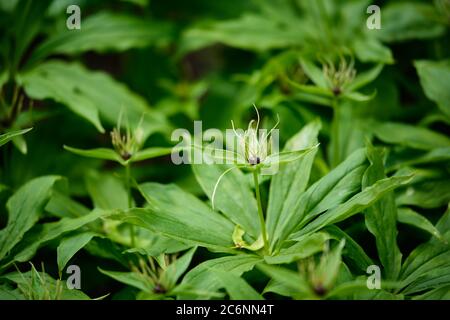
[360, 181]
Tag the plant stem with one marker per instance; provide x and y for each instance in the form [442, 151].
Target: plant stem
[335, 134]
[260, 211]
[130, 200]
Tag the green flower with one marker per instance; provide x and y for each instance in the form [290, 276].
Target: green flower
[339, 78]
[335, 81]
[128, 143]
[127, 146]
[255, 152]
[254, 146]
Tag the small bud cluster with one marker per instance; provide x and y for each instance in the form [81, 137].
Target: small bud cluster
[128, 143]
[155, 273]
[338, 78]
[254, 146]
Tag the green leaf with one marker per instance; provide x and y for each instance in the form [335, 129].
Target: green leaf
[24, 209]
[250, 31]
[179, 215]
[428, 194]
[330, 191]
[215, 155]
[311, 98]
[90, 94]
[237, 288]
[150, 153]
[407, 135]
[107, 191]
[36, 285]
[372, 50]
[27, 22]
[348, 289]
[233, 197]
[98, 153]
[432, 156]
[175, 270]
[440, 293]
[201, 278]
[409, 20]
[428, 260]
[5, 138]
[106, 249]
[434, 77]
[20, 143]
[312, 90]
[43, 233]
[352, 249]
[377, 295]
[409, 216]
[381, 217]
[279, 288]
[140, 3]
[103, 32]
[292, 280]
[359, 97]
[314, 73]
[303, 248]
[112, 155]
[70, 246]
[52, 80]
[4, 76]
[346, 132]
[285, 157]
[133, 279]
[364, 78]
[329, 266]
[7, 293]
[61, 205]
[291, 180]
[432, 278]
[356, 204]
[443, 225]
[148, 242]
[422, 258]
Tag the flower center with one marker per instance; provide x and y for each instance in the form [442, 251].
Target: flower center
[254, 160]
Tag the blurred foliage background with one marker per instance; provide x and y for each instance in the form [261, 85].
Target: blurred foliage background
[179, 61]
